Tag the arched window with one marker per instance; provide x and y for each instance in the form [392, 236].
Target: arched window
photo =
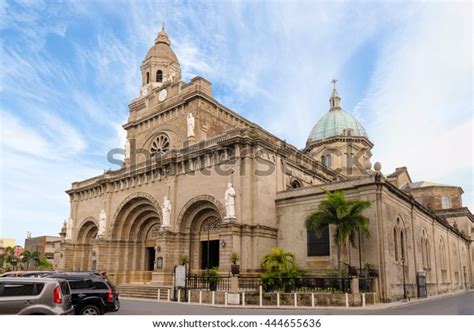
[445, 202]
[425, 251]
[455, 264]
[159, 76]
[402, 245]
[295, 184]
[160, 146]
[442, 260]
[147, 77]
[328, 161]
[395, 244]
[318, 245]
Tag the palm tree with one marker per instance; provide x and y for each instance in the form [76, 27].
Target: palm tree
[281, 270]
[7, 256]
[345, 215]
[279, 261]
[29, 256]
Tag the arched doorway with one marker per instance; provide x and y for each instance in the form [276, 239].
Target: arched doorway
[135, 229]
[200, 221]
[85, 236]
[209, 242]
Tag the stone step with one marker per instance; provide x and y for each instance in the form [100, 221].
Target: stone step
[142, 291]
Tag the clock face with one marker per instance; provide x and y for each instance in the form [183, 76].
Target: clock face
[162, 95]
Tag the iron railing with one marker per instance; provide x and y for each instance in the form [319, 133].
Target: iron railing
[286, 284]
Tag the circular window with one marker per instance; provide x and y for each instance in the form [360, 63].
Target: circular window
[160, 145]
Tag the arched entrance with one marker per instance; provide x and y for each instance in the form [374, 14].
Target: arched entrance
[209, 242]
[135, 229]
[201, 220]
[85, 236]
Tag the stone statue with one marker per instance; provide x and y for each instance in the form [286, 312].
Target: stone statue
[190, 125]
[127, 149]
[171, 76]
[28, 234]
[102, 224]
[229, 198]
[69, 228]
[166, 211]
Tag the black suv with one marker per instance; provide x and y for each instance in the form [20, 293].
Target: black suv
[92, 293]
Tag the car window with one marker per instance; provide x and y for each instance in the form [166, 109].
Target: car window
[64, 287]
[88, 283]
[76, 284]
[13, 290]
[100, 286]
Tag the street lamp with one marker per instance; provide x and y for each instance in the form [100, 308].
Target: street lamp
[211, 224]
[14, 262]
[465, 276]
[403, 275]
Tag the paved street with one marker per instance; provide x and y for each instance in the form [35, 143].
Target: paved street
[461, 304]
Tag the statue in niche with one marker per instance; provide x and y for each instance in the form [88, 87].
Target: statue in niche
[229, 198]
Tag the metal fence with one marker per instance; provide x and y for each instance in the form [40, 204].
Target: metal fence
[286, 284]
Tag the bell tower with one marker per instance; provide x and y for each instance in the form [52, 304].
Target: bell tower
[160, 66]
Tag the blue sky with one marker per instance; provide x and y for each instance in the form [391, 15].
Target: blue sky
[69, 70]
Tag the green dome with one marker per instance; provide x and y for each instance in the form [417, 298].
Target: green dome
[334, 123]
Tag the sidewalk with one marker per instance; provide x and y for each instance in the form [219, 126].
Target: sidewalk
[378, 306]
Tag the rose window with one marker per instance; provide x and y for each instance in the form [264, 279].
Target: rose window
[160, 145]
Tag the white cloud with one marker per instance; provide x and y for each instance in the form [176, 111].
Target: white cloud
[17, 136]
[420, 99]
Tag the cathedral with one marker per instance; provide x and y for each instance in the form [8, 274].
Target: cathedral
[200, 181]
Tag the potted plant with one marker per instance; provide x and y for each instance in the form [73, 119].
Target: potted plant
[352, 271]
[234, 267]
[371, 271]
[212, 278]
[184, 259]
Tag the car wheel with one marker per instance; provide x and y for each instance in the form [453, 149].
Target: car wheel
[90, 310]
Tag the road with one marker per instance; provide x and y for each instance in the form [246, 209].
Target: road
[461, 304]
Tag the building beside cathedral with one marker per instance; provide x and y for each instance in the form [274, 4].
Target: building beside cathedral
[199, 180]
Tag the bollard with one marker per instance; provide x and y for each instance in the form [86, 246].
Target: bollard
[312, 299]
[213, 297]
[278, 299]
[295, 299]
[200, 297]
[189, 296]
[363, 299]
[159, 294]
[225, 299]
[169, 295]
[179, 295]
[347, 299]
[243, 299]
[261, 298]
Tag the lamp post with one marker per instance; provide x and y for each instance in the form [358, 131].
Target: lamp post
[211, 224]
[465, 276]
[403, 275]
[14, 262]
[360, 258]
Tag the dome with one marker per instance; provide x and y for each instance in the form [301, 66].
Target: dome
[334, 123]
[162, 49]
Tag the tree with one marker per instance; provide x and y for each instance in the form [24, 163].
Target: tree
[280, 270]
[7, 257]
[345, 215]
[29, 256]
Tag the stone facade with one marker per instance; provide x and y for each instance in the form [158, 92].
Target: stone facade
[116, 219]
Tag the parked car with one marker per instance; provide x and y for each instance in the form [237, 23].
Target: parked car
[26, 273]
[92, 294]
[35, 296]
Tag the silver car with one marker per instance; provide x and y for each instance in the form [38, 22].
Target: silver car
[35, 296]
